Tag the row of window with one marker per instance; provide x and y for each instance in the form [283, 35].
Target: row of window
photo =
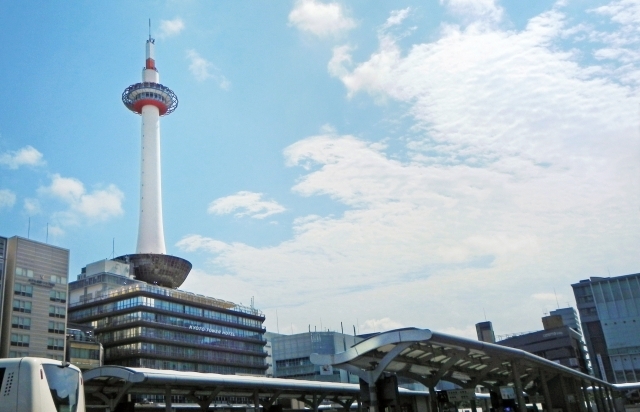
[21, 322]
[62, 280]
[23, 290]
[18, 339]
[101, 278]
[18, 354]
[55, 343]
[27, 290]
[174, 336]
[149, 95]
[293, 362]
[22, 306]
[57, 311]
[187, 366]
[57, 327]
[192, 325]
[182, 352]
[168, 306]
[84, 353]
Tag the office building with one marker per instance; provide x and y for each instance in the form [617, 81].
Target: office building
[556, 342]
[34, 307]
[569, 318]
[149, 326]
[291, 355]
[609, 310]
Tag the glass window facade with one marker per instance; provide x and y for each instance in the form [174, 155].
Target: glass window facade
[610, 316]
[143, 325]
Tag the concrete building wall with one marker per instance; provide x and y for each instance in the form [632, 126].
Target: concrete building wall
[35, 299]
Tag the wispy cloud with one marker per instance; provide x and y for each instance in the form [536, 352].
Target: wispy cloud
[7, 198]
[27, 156]
[320, 19]
[170, 28]
[245, 204]
[519, 171]
[203, 69]
[396, 17]
[474, 10]
[98, 205]
[32, 206]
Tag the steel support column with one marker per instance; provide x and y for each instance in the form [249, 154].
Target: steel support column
[474, 406]
[596, 397]
[433, 399]
[167, 399]
[565, 394]
[585, 395]
[604, 398]
[548, 406]
[610, 397]
[522, 406]
[577, 389]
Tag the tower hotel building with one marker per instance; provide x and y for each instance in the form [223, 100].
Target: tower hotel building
[150, 326]
[132, 301]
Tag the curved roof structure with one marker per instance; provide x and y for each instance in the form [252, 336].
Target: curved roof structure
[429, 357]
[425, 355]
[111, 383]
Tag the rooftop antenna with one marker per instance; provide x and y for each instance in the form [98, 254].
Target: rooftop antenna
[485, 314]
[557, 303]
[149, 29]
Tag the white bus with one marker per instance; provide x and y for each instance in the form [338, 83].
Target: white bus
[40, 385]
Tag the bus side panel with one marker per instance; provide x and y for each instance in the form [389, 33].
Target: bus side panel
[27, 388]
[9, 386]
[34, 394]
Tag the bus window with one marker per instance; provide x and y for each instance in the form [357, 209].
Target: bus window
[64, 385]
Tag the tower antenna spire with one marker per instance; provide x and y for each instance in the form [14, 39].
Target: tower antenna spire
[149, 29]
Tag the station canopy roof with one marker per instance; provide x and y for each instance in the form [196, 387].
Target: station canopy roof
[428, 357]
[110, 383]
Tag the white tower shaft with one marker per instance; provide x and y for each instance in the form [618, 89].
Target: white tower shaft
[151, 229]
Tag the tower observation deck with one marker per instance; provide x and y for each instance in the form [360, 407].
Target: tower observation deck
[151, 100]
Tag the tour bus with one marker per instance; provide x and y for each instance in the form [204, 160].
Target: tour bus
[40, 385]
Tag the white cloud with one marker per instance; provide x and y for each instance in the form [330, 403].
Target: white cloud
[27, 156]
[486, 10]
[7, 198]
[99, 205]
[552, 297]
[202, 70]
[245, 204]
[32, 206]
[520, 170]
[396, 17]
[320, 19]
[56, 231]
[169, 28]
[379, 325]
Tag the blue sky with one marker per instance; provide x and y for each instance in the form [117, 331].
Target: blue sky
[381, 165]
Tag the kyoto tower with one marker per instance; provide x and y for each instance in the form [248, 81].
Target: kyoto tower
[152, 100]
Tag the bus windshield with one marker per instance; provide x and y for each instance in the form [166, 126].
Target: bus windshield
[64, 384]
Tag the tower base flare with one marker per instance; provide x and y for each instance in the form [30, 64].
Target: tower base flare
[162, 270]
